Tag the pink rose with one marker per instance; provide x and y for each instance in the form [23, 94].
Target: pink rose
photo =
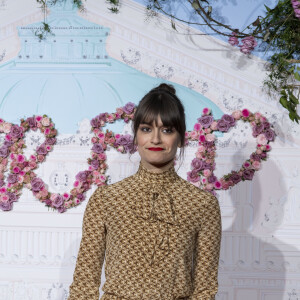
[76, 183]
[120, 148]
[39, 118]
[207, 130]
[246, 164]
[45, 121]
[47, 131]
[194, 135]
[245, 113]
[199, 155]
[120, 110]
[218, 185]
[206, 111]
[66, 196]
[261, 139]
[110, 118]
[209, 186]
[101, 135]
[214, 125]
[202, 138]
[20, 158]
[6, 127]
[237, 114]
[197, 127]
[256, 165]
[268, 147]
[206, 172]
[210, 137]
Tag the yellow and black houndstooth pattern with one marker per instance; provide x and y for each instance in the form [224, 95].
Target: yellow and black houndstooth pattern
[160, 236]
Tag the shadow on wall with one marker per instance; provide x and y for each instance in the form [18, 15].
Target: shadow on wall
[255, 263]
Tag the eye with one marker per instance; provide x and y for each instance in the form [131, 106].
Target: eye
[168, 130]
[144, 129]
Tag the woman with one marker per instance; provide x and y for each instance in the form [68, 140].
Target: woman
[159, 233]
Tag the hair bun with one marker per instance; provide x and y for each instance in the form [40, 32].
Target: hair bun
[165, 87]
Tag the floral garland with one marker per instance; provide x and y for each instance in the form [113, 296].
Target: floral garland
[203, 166]
[22, 169]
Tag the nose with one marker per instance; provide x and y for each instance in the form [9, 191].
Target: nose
[156, 138]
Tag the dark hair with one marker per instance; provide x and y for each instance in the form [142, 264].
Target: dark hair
[161, 100]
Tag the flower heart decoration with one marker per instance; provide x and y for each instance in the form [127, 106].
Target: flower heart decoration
[22, 169]
[203, 166]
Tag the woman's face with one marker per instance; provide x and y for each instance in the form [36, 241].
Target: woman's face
[157, 145]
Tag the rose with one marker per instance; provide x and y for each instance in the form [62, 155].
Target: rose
[263, 155]
[233, 40]
[245, 113]
[4, 151]
[95, 122]
[255, 156]
[82, 176]
[58, 201]
[256, 165]
[237, 114]
[205, 121]
[261, 139]
[248, 174]
[5, 205]
[197, 127]
[97, 148]
[193, 176]
[12, 178]
[218, 185]
[95, 164]
[12, 197]
[211, 178]
[266, 125]
[128, 108]
[197, 164]
[31, 122]
[270, 134]
[258, 129]
[6, 127]
[214, 125]
[223, 126]
[41, 150]
[16, 132]
[235, 178]
[206, 172]
[210, 137]
[228, 119]
[45, 121]
[36, 184]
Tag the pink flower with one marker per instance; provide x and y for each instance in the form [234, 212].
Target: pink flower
[197, 127]
[256, 165]
[248, 44]
[47, 131]
[245, 113]
[246, 164]
[120, 148]
[16, 170]
[39, 118]
[202, 138]
[218, 185]
[209, 186]
[117, 136]
[268, 147]
[207, 130]
[206, 172]
[204, 180]
[206, 111]
[258, 151]
[45, 121]
[110, 118]
[210, 137]
[66, 196]
[201, 148]
[214, 125]
[194, 135]
[101, 135]
[33, 157]
[76, 183]
[257, 116]
[20, 158]
[102, 178]
[233, 40]
[261, 139]
[2, 190]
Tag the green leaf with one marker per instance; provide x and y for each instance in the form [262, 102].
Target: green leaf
[283, 101]
[293, 98]
[267, 8]
[297, 76]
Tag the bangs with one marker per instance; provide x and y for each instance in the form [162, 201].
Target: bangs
[163, 107]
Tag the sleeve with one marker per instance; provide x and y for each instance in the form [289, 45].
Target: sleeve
[87, 274]
[207, 251]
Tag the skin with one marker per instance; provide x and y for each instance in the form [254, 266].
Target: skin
[151, 136]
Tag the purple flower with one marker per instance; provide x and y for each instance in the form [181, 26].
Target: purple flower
[50, 141]
[212, 179]
[31, 122]
[12, 178]
[37, 184]
[6, 205]
[61, 209]
[248, 44]
[97, 148]
[4, 151]
[12, 197]
[197, 164]
[16, 132]
[80, 197]
[228, 119]
[233, 40]
[41, 150]
[82, 176]
[95, 164]
[127, 142]
[2, 182]
[258, 129]
[128, 108]
[269, 134]
[95, 122]
[255, 156]
[7, 143]
[235, 178]
[263, 155]
[207, 166]
[205, 121]
[295, 3]
[208, 144]
[266, 125]
[58, 201]
[223, 126]
[193, 176]
[248, 174]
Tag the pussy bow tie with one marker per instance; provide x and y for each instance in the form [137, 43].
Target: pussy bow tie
[156, 207]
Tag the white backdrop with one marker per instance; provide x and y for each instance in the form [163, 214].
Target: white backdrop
[260, 256]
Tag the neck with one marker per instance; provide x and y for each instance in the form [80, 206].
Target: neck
[158, 168]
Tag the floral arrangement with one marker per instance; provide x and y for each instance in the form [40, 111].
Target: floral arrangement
[203, 166]
[22, 169]
[296, 7]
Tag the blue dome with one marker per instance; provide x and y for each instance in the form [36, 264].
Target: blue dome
[69, 76]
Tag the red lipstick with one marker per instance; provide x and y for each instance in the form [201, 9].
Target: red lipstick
[155, 149]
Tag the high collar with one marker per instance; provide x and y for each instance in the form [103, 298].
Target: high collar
[149, 177]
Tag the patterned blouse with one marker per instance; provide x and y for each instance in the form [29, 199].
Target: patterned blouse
[160, 236]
